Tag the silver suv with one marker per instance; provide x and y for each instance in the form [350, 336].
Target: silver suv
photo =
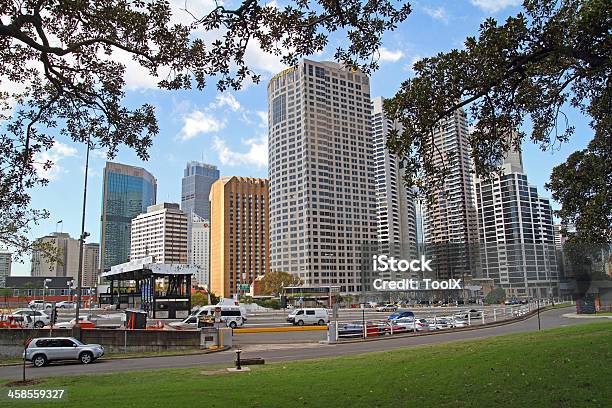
[44, 349]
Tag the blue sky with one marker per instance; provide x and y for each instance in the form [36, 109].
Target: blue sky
[229, 130]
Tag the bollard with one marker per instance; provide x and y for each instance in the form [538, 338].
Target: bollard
[238, 367]
[483, 317]
[469, 319]
[494, 316]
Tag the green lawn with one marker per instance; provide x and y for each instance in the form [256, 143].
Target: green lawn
[566, 367]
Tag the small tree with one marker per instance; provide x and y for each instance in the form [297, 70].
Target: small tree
[273, 282]
[214, 299]
[199, 299]
[496, 296]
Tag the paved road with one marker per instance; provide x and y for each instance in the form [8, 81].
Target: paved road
[549, 319]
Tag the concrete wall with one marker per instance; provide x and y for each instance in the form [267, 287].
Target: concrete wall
[113, 341]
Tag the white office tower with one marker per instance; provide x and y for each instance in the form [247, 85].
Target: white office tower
[395, 207]
[161, 232]
[517, 240]
[199, 250]
[322, 202]
[450, 223]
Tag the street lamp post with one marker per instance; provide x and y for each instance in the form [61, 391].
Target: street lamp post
[82, 238]
[44, 290]
[70, 284]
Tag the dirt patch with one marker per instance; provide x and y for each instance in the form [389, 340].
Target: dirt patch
[25, 383]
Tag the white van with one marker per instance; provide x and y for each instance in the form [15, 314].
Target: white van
[232, 316]
[301, 317]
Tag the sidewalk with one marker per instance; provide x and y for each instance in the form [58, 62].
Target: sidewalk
[585, 316]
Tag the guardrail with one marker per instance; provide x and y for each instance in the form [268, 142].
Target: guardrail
[371, 328]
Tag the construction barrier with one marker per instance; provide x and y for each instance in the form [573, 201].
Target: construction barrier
[279, 329]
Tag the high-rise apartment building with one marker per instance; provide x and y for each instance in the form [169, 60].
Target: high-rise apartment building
[161, 232]
[450, 218]
[127, 192]
[6, 259]
[197, 179]
[239, 233]
[517, 242]
[200, 249]
[91, 264]
[322, 196]
[66, 262]
[395, 205]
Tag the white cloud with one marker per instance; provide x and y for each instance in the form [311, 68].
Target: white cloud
[198, 122]
[260, 60]
[263, 119]
[58, 152]
[495, 5]
[256, 155]
[413, 60]
[227, 99]
[387, 55]
[437, 13]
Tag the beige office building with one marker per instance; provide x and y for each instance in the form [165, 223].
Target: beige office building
[239, 233]
[321, 169]
[66, 262]
[161, 232]
[91, 264]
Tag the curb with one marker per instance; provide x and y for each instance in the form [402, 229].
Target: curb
[459, 329]
[582, 316]
[119, 357]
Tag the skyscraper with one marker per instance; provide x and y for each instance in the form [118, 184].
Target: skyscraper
[450, 219]
[197, 180]
[128, 191]
[239, 233]
[322, 202]
[6, 259]
[517, 240]
[91, 264]
[395, 206]
[195, 194]
[200, 249]
[161, 232]
[67, 256]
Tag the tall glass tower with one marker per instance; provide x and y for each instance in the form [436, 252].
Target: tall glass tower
[128, 191]
[197, 180]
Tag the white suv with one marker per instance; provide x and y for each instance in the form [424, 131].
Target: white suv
[39, 305]
[301, 317]
[31, 318]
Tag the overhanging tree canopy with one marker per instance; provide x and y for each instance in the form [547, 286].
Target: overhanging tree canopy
[554, 55]
[63, 52]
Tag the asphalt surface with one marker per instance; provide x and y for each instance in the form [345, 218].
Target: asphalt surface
[271, 352]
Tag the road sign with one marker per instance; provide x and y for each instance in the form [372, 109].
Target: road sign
[244, 286]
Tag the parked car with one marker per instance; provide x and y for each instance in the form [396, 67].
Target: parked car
[355, 329]
[422, 325]
[459, 323]
[66, 304]
[311, 316]
[88, 319]
[400, 315]
[41, 351]
[472, 313]
[408, 323]
[441, 323]
[39, 305]
[33, 318]
[389, 307]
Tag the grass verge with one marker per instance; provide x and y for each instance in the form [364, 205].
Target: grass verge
[565, 367]
[129, 355]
